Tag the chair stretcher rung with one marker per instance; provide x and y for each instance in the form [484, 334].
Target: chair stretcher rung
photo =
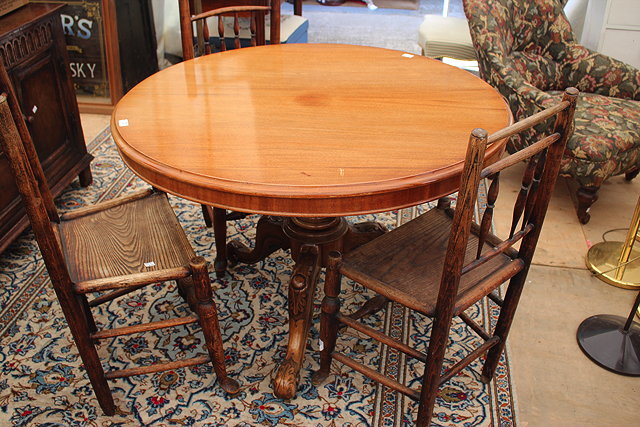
[127, 330]
[470, 358]
[156, 367]
[493, 296]
[376, 376]
[113, 295]
[385, 339]
[473, 325]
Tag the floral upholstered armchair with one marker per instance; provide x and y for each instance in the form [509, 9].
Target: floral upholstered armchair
[526, 50]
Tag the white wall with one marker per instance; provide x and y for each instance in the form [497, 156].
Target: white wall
[167, 23]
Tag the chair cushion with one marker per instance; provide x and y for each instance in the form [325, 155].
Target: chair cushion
[606, 139]
[441, 36]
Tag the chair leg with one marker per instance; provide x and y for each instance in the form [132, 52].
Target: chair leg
[207, 215]
[86, 310]
[81, 332]
[328, 321]
[220, 236]
[206, 310]
[507, 312]
[433, 367]
[586, 198]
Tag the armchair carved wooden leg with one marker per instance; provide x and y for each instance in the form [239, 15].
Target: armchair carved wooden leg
[630, 175]
[586, 198]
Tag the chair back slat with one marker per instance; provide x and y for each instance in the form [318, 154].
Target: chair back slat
[236, 30]
[255, 10]
[252, 28]
[501, 248]
[528, 122]
[223, 44]
[537, 184]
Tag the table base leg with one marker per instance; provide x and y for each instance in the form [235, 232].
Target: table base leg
[269, 238]
[310, 241]
[302, 287]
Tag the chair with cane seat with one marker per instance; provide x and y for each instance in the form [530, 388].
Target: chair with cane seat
[442, 263]
[110, 249]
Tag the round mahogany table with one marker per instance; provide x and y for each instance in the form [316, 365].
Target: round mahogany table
[306, 134]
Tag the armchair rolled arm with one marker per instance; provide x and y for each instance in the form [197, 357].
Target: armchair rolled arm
[524, 98]
[594, 72]
[499, 70]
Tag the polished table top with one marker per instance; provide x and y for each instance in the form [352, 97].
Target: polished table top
[306, 129]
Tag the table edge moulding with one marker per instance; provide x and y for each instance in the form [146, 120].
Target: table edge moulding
[278, 197]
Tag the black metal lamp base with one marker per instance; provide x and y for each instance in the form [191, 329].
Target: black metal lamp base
[611, 342]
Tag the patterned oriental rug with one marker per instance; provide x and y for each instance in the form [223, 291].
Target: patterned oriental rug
[42, 380]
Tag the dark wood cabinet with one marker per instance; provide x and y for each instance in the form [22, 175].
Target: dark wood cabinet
[33, 51]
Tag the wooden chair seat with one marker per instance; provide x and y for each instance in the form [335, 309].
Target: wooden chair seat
[106, 243]
[405, 265]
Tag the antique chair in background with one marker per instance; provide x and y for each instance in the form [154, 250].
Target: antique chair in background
[200, 44]
[526, 49]
[442, 263]
[111, 249]
[293, 28]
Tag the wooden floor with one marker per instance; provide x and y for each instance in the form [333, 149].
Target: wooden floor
[555, 384]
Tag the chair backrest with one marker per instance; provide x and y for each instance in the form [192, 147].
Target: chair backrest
[256, 11]
[543, 164]
[527, 35]
[18, 147]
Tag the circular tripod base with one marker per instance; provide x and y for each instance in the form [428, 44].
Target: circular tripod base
[603, 258]
[603, 340]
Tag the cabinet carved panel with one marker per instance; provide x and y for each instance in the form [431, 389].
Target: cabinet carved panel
[33, 51]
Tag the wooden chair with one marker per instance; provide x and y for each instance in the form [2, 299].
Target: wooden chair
[257, 11]
[112, 249]
[441, 263]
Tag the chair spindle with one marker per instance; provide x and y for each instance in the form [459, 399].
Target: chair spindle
[487, 216]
